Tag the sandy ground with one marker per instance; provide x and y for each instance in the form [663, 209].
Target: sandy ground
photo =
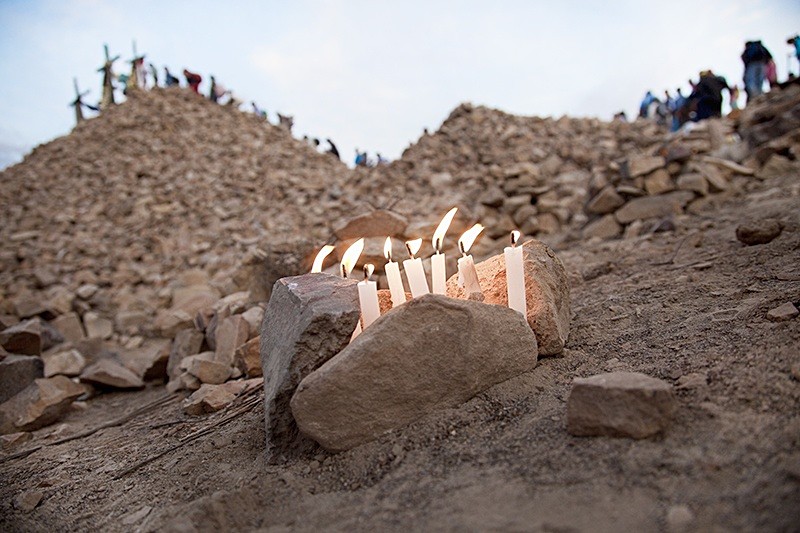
[668, 304]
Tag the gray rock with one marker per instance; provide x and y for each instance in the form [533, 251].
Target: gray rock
[759, 231]
[30, 337]
[654, 206]
[432, 353]
[308, 320]
[69, 362]
[693, 181]
[619, 404]
[17, 372]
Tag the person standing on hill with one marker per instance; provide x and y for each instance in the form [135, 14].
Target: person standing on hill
[169, 79]
[333, 150]
[647, 101]
[734, 97]
[796, 42]
[154, 74]
[708, 93]
[755, 58]
[193, 80]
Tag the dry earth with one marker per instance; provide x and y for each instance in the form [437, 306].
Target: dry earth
[688, 306]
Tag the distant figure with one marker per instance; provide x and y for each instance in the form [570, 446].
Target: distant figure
[193, 80]
[795, 41]
[286, 122]
[217, 91]
[734, 97]
[647, 101]
[153, 73]
[678, 104]
[315, 144]
[333, 150]
[169, 79]
[78, 103]
[755, 58]
[258, 112]
[107, 99]
[361, 158]
[708, 95]
[620, 117]
[138, 77]
[381, 160]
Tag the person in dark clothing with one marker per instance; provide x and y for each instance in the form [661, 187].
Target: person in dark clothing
[169, 79]
[193, 80]
[755, 58]
[333, 150]
[708, 95]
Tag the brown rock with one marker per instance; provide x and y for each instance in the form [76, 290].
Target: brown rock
[97, 327]
[187, 342]
[231, 333]
[253, 317]
[66, 363]
[212, 398]
[17, 372]
[374, 385]
[209, 371]
[169, 322]
[547, 293]
[28, 500]
[619, 404]
[12, 440]
[379, 223]
[605, 227]
[192, 299]
[41, 403]
[783, 312]
[658, 182]
[693, 182]
[148, 361]
[606, 201]
[248, 358]
[31, 337]
[108, 373]
[759, 231]
[70, 327]
[641, 165]
[654, 206]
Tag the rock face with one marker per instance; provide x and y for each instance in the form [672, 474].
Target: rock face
[308, 320]
[431, 353]
[619, 404]
[547, 293]
[30, 337]
[17, 372]
[41, 403]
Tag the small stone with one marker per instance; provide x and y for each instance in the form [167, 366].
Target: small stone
[17, 372]
[692, 381]
[86, 291]
[31, 337]
[169, 322]
[187, 342]
[378, 223]
[693, 182]
[70, 327]
[131, 322]
[606, 201]
[248, 358]
[66, 363]
[206, 371]
[783, 312]
[212, 398]
[108, 373]
[12, 440]
[658, 182]
[149, 361]
[679, 518]
[231, 333]
[28, 501]
[193, 298]
[136, 516]
[639, 166]
[605, 227]
[646, 207]
[524, 213]
[619, 404]
[373, 385]
[97, 327]
[41, 403]
[759, 231]
[253, 317]
[493, 196]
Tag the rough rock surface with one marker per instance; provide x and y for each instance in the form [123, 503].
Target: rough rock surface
[619, 404]
[41, 403]
[30, 337]
[111, 374]
[547, 293]
[431, 353]
[211, 398]
[308, 320]
[17, 372]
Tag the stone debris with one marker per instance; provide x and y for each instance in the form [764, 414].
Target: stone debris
[68, 362]
[41, 403]
[231, 333]
[211, 398]
[12, 440]
[248, 358]
[97, 327]
[431, 353]
[148, 361]
[187, 342]
[70, 327]
[108, 373]
[759, 231]
[308, 320]
[619, 404]
[17, 372]
[30, 337]
[786, 311]
[28, 501]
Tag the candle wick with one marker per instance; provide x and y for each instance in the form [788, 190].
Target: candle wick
[438, 246]
[409, 251]
[461, 247]
[344, 271]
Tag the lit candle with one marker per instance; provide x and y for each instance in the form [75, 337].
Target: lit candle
[349, 260]
[415, 274]
[467, 275]
[515, 275]
[438, 268]
[321, 255]
[368, 297]
[392, 269]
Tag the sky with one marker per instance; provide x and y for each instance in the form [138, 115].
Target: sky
[373, 74]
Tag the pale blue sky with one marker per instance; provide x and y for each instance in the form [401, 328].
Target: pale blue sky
[373, 74]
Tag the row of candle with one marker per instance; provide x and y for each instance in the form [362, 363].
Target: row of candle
[415, 273]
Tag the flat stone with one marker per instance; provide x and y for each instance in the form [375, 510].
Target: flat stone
[253, 316]
[641, 165]
[209, 371]
[28, 500]
[30, 337]
[108, 373]
[41, 403]
[654, 206]
[212, 398]
[17, 372]
[12, 440]
[148, 361]
[759, 231]
[378, 223]
[86, 291]
[619, 404]
[70, 327]
[431, 353]
[605, 227]
[547, 293]
[783, 312]
[658, 182]
[693, 181]
[187, 342]
[248, 358]
[694, 380]
[605, 201]
[169, 322]
[231, 333]
[308, 320]
[194, 298]
[66, 363]
[97, 327]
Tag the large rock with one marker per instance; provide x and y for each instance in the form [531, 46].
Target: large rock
[43, 402]
[30, 337]
[17, 372]
[379, 223]
[308, 320]
[619, 404]
[654, 206]
[547, 293]
[108, 373]
[431, 353]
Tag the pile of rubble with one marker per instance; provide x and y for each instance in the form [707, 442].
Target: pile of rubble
[143, 245]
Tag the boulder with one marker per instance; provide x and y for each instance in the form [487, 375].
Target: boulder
[308, 320]
[654, 206]
[431, 353]
[108, 373]
[547, 293]
[30, 337]
[41, 403]
[17, 372]
[619, 404]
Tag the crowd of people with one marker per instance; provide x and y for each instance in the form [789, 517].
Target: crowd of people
[706, 97]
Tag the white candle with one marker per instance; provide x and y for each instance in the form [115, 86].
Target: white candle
[415, 274]
[467, 275]
[438, 265]
[392, 269]
[368, 297]
[515, 275]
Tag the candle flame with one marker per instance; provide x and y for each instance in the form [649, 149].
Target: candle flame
[413, 247]
[350, 257]
[321, 255]
[441, 230]
[387, 249]
[369, 268]
[515, 237]
[469, 236]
